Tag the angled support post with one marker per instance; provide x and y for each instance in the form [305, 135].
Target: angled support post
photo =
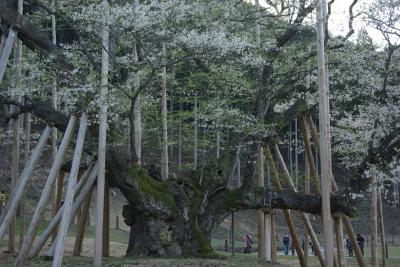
[12, 35]
[18, 193]
[77, 204]
[286, 213]
[306, 220]
[45, 197]
[69, 198]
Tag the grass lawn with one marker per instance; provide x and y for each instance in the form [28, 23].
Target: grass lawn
[239, 260]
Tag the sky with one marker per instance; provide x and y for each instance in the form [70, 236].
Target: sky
[339, 19]
[338, 23]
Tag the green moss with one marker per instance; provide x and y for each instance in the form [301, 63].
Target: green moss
[159, 190]
[230, 198]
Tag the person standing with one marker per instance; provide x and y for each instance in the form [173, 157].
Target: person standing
[248, 242]
[349, 247]
[361, 241]
[3, 200]
[286, 243]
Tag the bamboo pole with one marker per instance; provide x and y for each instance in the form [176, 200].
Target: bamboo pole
[56, 219]
[304, 216]
[82, 225]
[17, 194]
[381, 222]
[374, 223]
[12, 35]
[98, 247]
[69, 196]
[45, 197]
[286, 213]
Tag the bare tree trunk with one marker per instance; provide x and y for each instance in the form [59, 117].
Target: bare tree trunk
[374, 223]
[102, 139]
[195, 134]
[164, 122]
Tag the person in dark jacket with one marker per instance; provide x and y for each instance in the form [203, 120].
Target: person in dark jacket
[349, 247]
[361, 241]
[286, 243]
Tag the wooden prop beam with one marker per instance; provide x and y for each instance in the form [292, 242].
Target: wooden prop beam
[58, 198]
[12, 35]
[18, 193]
[339, 241]
[310, 158]
[306, 220]
[354, 243]
[286, 213]
[345, 219]
[82, 225]
[28, 33]
[383, 241]
[45, 197]
[106, 222]
[69, 197]
[77, 204]
[374, 224]
[98, 246]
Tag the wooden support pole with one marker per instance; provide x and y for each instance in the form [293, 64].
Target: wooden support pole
[56, 219]
[27, 134]
[381, 222]
[17, 194]
[304, 216]
[12, 35]
[309, 155]
[324, 117]
[286, 213]
[57, 203]
[106, 222]
[374, 224]
[354, 243]
[45, 197]
[54, 196]
[267, 232]
[314, 132]
[339, 242]
[98, 247]
[273, 238]
[260, 213]
[82, 225]
[69, 196]
[14, 177]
